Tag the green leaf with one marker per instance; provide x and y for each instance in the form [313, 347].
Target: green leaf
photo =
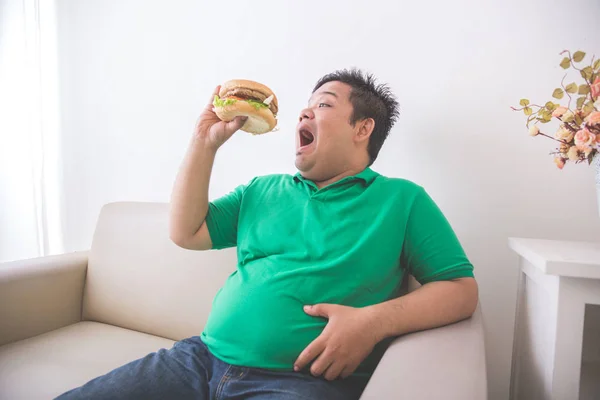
[587, 73]
[565, 63]
[578, 56]
[572, 88]
[550, 106]
[578, 119]
[558, 93]
[527, 110]
[590, 157]
[544, 115]
[218, 102]
[542, 120]
[524, 102]
[597, 64]
[584, 89]
[257, 104]
[589, 107]
[580, 101]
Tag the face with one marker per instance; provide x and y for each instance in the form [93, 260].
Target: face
[327, 144]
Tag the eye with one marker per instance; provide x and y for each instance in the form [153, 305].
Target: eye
[324, 105]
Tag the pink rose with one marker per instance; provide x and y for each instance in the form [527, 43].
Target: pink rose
[595, 87]
[593, 119]
[559, 111]
[560, 162]
[584, 139]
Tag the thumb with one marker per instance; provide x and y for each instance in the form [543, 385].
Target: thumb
[235, 124]
[319, 310]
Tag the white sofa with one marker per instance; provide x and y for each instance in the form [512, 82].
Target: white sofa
[68, 318]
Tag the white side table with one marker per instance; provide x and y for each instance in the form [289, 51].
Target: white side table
[556, 352]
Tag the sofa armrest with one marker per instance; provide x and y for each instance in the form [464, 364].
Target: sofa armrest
[40, 294]
[442, 363]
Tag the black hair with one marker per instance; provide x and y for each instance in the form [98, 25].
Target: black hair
[369, 100]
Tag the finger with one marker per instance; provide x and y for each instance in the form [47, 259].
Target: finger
[334, 370]
[321, 364]
[311, 351]
[347, 371]
[319, 310]
[210, 106]
[235, 124]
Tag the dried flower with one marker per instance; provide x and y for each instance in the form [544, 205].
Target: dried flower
[560, 162]
[534, 130]
[564, 134]
[559, 111]
[595, 87]
[568, 116]
[578, 135]
[593, 119]
[584, 138]
[573, 153]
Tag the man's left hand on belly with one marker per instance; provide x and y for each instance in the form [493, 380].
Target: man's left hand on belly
[348, 338]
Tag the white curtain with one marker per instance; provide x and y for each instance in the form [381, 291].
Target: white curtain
[30, 195]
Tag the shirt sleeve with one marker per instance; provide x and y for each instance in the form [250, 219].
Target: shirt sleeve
[431, 250]
[222, 218]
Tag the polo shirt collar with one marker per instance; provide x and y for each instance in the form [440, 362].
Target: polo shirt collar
[367, 175]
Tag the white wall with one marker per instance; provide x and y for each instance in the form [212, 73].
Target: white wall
[134, 75]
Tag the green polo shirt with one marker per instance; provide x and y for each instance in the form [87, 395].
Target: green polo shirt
[349, 243]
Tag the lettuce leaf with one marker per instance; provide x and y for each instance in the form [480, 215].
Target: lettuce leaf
[223, 102]
[257, 104]
[218, 102]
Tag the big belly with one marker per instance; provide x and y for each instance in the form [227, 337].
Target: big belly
[260, 322]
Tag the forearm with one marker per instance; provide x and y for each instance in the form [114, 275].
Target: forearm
[189, 199]
[432, 305]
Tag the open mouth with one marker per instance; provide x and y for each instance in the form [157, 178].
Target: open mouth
[306, 138]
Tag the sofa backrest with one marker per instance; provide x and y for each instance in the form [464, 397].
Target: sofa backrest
[139, 279]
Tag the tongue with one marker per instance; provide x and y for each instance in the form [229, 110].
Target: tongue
[307, 137]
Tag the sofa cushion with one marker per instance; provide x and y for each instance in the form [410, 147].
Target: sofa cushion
[138, 279]
[47, 365]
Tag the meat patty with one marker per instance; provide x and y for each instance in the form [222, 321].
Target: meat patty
[252, 95]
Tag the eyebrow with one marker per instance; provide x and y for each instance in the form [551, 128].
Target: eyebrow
[326, 92]
[331, 93]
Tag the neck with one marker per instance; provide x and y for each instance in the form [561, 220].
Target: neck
[338, 177]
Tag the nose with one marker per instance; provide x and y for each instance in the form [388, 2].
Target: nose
[307, 113]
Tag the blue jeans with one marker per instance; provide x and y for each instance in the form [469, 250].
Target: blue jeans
[189, 371]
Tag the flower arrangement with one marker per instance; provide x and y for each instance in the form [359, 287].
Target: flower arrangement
[578, 134]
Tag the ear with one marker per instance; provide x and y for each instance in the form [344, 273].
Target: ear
[364, 129]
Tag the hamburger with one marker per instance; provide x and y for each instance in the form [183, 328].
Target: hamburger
[240, 97]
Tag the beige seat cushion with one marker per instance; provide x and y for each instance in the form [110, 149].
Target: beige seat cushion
[137, 278]
[47, 365]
